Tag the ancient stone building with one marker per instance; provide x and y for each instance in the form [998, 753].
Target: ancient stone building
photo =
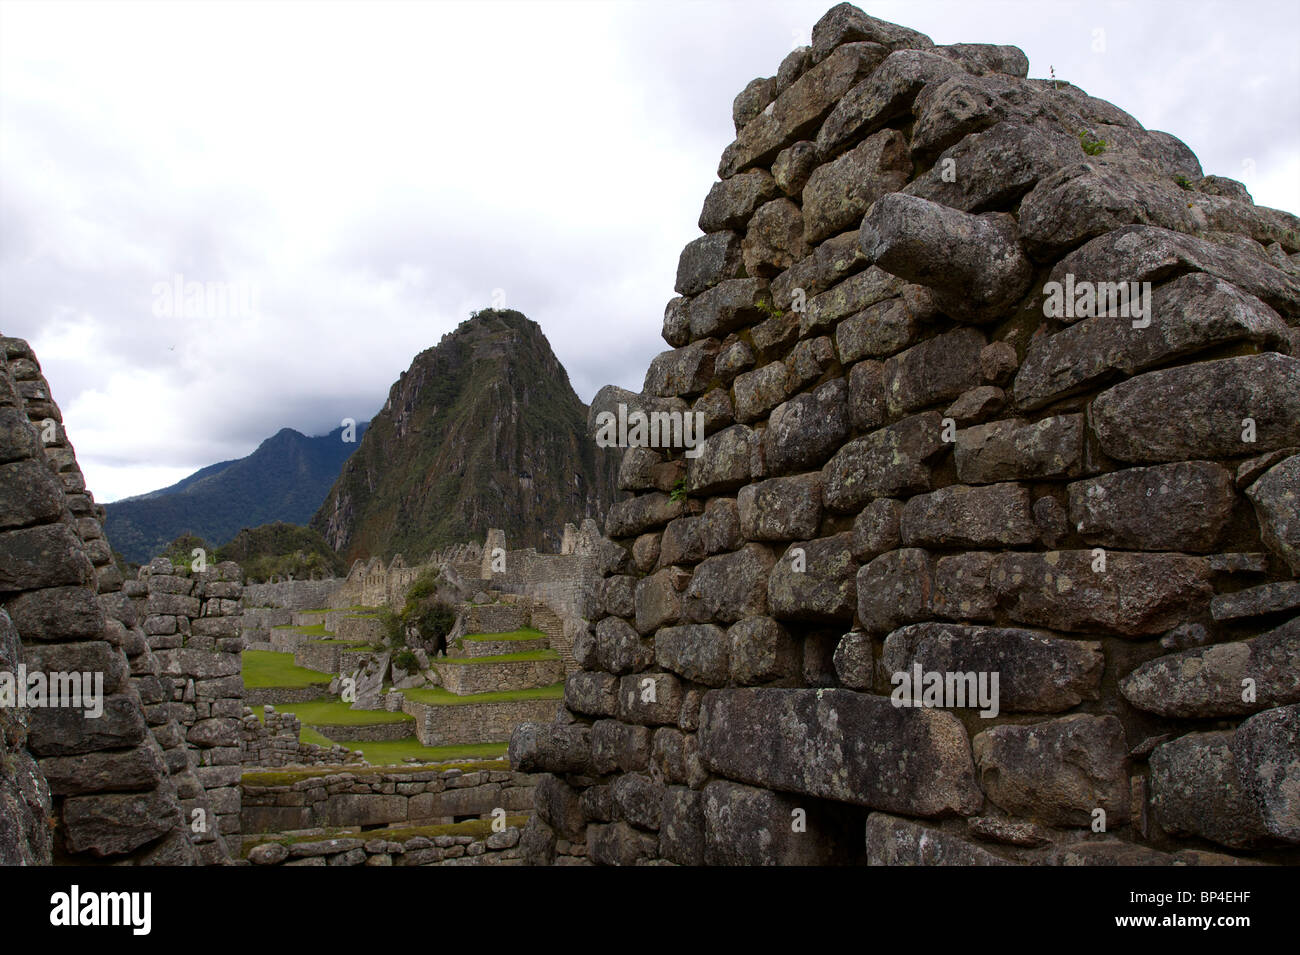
[998, 386]
[117, 780]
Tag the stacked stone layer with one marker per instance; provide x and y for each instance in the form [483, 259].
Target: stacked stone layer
[915, 459]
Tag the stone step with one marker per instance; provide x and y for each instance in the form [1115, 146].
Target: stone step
[490, 675]
[309, 618]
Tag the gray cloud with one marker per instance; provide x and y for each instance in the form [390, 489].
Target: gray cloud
[378, 179]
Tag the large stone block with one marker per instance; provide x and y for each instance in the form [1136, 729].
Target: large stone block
[1058, 771]
[1131, 595]
[650, 699]
[1195, 791]
[36, 557]
[796, 112]
[973, 265]
[1228, 679]
[786, 508]
[1189, 314]
[707, 261]
[658, 602]
[935, 371]
[1036, 672]
[840, 745]
[1014, 450]
[1266, 751]
[698, 652]
[682, 372]
[892, 461]
[815, 580]
[840, 192]
[66, 731]
[730, 587]
[681, 829]
[748, 826]
[1225, 408]
[638, 799]
[804, 431]
[593, 694]
[1276, 498]
[619, 648]
[109, 824]
[963, 516]
[1140, 253]
[1183, 506]
[885, 95]
[892, 840]
[29, 494]
[894, 589]
[761, 650]
[547, 747]
[724, 461]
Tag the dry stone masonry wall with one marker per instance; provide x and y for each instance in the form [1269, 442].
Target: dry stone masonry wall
[97, 768]
[997, 386]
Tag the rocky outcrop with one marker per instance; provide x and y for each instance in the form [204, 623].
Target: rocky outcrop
[989, 554]
[481, 431]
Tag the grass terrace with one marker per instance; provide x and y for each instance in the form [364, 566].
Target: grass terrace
[526, 633]
[502, 658]
[266, 668]
[316, 629]
[437, 696]
[338, 713]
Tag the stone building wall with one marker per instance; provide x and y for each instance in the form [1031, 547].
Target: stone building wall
[421, 797]
[495, 848]
[274, 741]
[919, 467]
[192, 621]
[119, 785]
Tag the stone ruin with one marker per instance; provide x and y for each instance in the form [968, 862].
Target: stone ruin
[948, 443]
[152, 778]
[1001, 402]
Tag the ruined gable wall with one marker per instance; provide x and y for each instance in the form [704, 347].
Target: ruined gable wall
[912, 465]
[120, 784]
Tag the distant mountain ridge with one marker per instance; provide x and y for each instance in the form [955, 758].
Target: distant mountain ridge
[483, 430]
[285, 479]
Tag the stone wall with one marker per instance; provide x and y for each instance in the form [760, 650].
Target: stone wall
[274, 741]
[466, 678]
[453, 724]
[76, 785]
[918, 466]
[192, 621]
[495, 848]
[422, 797]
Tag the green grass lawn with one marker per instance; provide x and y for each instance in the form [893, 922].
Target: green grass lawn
[266, 668]
[502, 658]
[338, 713]
[395, 753]
[437, 696]
[526, 633]
[314, 629]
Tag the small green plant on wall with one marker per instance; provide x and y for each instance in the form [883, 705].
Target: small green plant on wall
[1091, 145]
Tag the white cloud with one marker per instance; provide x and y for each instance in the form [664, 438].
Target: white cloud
[377, 170]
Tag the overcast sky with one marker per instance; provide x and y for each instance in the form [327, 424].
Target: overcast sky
[358, 179]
